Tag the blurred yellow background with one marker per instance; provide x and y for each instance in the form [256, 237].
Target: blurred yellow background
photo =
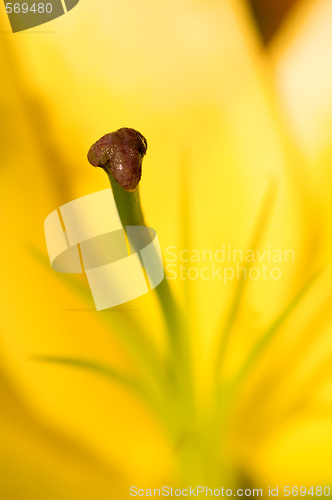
[236, 107]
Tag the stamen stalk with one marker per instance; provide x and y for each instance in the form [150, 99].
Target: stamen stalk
[120, 154]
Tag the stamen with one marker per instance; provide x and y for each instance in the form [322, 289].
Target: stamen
[120, 154]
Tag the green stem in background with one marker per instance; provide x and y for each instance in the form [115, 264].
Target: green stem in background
[269, 335]
[263, 220]
[120, 154]
[139, 348]
[131, 384]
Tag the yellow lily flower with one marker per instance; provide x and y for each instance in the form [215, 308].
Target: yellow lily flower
[238, 394]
